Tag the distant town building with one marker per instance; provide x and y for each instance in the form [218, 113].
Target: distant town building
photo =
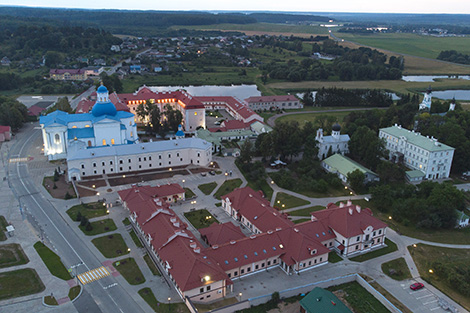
[274, 102]
[462, 219]
[426, 154]
[341, 166]
[452, 104]
[5, 61]
[68, 74]
[115, 48]
[336, 143]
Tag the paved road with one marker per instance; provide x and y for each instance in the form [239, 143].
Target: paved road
[84, 94]
[272, 120]
[70, 248]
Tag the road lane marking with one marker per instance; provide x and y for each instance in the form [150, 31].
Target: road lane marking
[429, 302]
[93, 275]
[425, 296]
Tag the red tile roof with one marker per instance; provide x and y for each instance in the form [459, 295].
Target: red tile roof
[272, 98]
[85, 105]
[145, 192]
[349, 220]
[63, 71]
[234, 105]
[218, 234]
[257, 210]
[35, 110]
[144, 93]
[4, 129]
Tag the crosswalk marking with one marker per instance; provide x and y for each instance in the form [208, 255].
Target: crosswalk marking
[16, 160]
[93, 275]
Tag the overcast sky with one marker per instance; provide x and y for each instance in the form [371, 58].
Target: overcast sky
[381, 6]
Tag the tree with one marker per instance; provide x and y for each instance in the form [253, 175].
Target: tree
[246, 152]
[307, 99]
[172, 118]
[53, 58]
[356, 180]
[79, 216]
[12, 113]
[287, 139]
[62, 104]
[366, 147]
[264, 145]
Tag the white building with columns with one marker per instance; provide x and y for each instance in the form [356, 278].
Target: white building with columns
[104, 126]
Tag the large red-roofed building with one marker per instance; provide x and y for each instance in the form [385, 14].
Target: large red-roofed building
[274, 102]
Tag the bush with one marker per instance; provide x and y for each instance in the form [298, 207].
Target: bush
[68, 196]
[84, 221]
[88, 227]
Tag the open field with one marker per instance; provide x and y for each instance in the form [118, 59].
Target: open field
[19, 283]
[99, 227]
[425, 256]
[111, 246]
[12, 255]
[420, 65]
[89, 210]
[227, 187]
[303, 118]
[264, 28]
[413, 44]
[391, 85]
[286, 201]
[207, 188]
[149, 297]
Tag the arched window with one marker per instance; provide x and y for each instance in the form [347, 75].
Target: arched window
[104, 142]
[132, 134]
[89, 143]
[112, 141]
[57, 138]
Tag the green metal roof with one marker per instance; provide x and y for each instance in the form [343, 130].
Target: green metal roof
[323, 301]
[414, 174]
[416, 139]
[345, 165]
[461, 215]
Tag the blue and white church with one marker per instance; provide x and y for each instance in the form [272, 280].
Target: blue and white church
[105, 126]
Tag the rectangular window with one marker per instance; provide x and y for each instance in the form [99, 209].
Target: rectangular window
[201, 290]
[120, 168]
[150, 158]
[94, 164]
[208, 288]
[274, 261]
[129, 160]
[242, 271]
[256, 266]
[110, 162]
[83, 165]
[235, 274]
[140, 159]
[248, 269]
[120, 161]
[102, 163]
[145, 159]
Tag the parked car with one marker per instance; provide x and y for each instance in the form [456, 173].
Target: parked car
[212, 173]
[203, 174]
[416, 286]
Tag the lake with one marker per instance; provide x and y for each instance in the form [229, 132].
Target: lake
[238, 91]
[449, 94]
[431, 78]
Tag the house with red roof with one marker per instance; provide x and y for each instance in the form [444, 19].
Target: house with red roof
[237, 109]
[35, 110]
[68, 74]
[274, 102]
[217, 234]
[356, 230]
[168, 193]
[207, 274]
[5, 133]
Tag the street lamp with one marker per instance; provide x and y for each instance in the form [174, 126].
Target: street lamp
[169, 299]
[272, 182]
[183, 181]
[240, 295]
[97, 193]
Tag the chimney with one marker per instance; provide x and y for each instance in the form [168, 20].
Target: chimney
[215, 247]
[197, 250]
[358, 209]
[341, 204]
[193, 245]
[349, 202]
[350, 211]
[296, 230]
[233, 242]
[252, 236]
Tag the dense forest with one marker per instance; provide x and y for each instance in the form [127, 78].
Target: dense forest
[454, 56]
[352, 97]
[34, 41]
[348, 64]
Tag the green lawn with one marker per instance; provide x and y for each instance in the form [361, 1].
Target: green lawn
[303, 118]
[74, 292]
[111, 246]
[227, 187]
[285, 201]
[258, 185]
[333, 257]
[130, 271]
[19, 283]
[391, 247]
[450, 268]
[359, 298]
[12, 255]
[99, 227]
[3, 228]
[306, 211]
[159, 307]
[50, 300]
[126, 221]
[136, 240]
[52, 261]
[200, 218]
[188, 193]
[207, 188]
[151, 265]
[89, 210]
[396, 269]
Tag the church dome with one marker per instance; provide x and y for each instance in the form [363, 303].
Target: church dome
[103, 106]
[336, 127]
[102, 88]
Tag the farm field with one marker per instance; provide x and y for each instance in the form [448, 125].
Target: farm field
[423, 46]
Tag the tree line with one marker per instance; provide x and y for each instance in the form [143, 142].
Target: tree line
[454, 56]
[350, 97]
[12, 113]
[349, 64]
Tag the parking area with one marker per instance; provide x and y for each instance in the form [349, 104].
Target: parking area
[426, 301]
[213, 120]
